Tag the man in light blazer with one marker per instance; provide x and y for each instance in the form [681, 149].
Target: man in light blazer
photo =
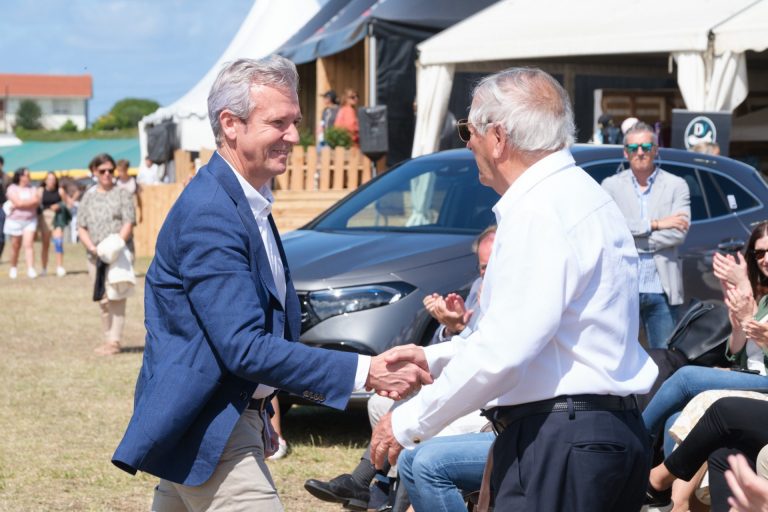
[657, 206]
[222, 315]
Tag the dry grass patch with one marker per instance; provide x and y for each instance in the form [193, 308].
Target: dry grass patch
[63, 409]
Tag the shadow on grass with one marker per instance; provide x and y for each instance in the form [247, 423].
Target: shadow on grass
[322, 426]
[136, 349]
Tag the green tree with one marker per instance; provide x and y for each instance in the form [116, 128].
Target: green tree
[28, 115]
[126, 113]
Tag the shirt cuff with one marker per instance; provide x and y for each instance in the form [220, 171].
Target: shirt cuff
[363, 368]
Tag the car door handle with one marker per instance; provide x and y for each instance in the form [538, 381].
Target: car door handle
[733, 245]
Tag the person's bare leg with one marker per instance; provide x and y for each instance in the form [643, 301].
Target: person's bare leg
[45, 239]
[15, 249]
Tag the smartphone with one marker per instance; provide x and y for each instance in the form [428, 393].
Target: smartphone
[745, 370]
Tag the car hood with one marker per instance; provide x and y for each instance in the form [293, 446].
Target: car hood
[341, 258]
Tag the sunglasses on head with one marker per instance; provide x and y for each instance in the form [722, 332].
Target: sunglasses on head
[632, 148]
[758, 253]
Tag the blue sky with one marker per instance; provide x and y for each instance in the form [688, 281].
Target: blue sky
[155, 49]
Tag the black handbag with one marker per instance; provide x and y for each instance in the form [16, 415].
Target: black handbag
[702, 333]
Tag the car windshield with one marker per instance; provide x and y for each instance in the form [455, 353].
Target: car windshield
[423, 195]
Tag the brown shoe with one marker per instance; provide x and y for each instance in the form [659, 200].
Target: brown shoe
[109, 348]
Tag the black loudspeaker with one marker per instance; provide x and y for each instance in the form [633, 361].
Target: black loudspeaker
[374, 141]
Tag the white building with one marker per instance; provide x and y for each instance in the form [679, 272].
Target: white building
[60, 97]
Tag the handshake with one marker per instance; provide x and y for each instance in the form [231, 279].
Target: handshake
[398, 372]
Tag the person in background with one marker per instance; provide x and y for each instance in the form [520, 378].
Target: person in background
[657, 207]
[328, 117]
[54, 216]
[105, 210]
[21, 221]
[707, 148]
[347, 116]
[3, 199]
[277, 426]
[128, 182]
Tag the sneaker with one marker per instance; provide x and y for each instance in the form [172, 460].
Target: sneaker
[43, 272]
[31, 273]
[282, 449]
[13, 273]
[61, 271]
[656, 498]
[342, 489]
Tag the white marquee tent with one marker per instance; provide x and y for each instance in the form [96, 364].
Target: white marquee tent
[707, 39]
[268, 25]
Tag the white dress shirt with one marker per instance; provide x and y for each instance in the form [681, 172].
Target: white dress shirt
[260, 202]
[560, 298]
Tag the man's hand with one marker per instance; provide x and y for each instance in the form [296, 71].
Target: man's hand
[384, 446]
[398, 372]
[677, 221]
[750, 492]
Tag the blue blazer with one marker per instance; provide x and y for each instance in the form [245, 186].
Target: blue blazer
[212, 312]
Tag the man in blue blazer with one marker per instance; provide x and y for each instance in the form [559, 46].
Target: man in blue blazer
[657, 207]
[222, 313]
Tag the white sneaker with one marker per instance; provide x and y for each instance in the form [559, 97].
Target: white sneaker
[282, 450]
[61, 271]
[43, 272]
[13, 273]
[31, 273]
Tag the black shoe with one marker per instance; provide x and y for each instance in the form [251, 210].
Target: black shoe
[654, 498]
[342, 489]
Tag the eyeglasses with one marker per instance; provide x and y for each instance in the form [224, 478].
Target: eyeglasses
[102, 171]
[632, 148]
[462, 126]
[758, 253]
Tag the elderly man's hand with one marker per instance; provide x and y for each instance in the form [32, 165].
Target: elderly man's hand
[384, 446]
[399, 372]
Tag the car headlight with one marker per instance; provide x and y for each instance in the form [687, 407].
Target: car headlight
[325, 304]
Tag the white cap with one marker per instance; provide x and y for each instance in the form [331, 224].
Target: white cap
[628, 123]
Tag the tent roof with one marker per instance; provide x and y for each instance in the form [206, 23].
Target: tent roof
[54, 156]
[523, 29]
[351, 24]
[747, 30]
[268, 24]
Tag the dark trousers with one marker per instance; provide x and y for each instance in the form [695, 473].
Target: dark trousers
[731, 424]
[590, 461]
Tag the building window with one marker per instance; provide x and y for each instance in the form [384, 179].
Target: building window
[62, 107]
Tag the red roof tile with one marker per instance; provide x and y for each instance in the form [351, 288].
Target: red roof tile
[68, 86]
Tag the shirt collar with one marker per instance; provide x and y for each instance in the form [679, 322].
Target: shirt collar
[259, 200]
[531, 177]
[651, 179]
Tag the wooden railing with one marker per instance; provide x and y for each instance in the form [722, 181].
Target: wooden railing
[313, 182]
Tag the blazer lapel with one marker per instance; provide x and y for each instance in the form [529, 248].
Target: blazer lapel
[292, 306]
[223, 174]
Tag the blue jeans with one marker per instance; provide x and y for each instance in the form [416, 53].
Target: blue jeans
[435, 472]
[658, 318]
[689, 381]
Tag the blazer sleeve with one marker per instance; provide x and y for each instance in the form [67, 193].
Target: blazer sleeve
[233, 309]
[681, 202]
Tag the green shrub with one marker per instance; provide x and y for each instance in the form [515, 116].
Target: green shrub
[335, 136]
[28, 115]
[68, 126]
[306, 138]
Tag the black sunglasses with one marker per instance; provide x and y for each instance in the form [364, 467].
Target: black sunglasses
[758, 253]
[102, 171]
[632, 148]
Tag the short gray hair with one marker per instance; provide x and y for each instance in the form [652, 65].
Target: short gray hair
[232, 88]
[531, 106]
[641, 127]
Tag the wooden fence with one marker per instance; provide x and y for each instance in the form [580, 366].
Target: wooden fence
[312, 183]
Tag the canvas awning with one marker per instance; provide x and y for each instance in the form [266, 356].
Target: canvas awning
[707, 38]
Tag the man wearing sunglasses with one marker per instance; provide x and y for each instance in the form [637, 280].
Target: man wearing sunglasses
[554, 360]
[657, 207]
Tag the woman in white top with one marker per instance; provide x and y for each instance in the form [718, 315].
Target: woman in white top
[21, 220]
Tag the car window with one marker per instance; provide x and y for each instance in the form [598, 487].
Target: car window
[725, 195]
[699, 208]
[437, 196]
[600, 171]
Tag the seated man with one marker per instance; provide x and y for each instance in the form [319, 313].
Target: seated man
[455, 317]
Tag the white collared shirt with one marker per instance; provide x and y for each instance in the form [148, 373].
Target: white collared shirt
[560, 297]
[260, 202]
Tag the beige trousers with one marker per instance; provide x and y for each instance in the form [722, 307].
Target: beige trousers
[112, 311]
[241, 482]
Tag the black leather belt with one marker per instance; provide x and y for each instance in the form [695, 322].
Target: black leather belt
[504, 416]
[259, 404]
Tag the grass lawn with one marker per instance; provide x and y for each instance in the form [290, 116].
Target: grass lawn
[63, 409]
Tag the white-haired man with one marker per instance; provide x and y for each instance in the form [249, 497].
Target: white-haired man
[555, 359]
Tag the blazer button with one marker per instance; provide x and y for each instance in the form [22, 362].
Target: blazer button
[320, 398]
[305, 394]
